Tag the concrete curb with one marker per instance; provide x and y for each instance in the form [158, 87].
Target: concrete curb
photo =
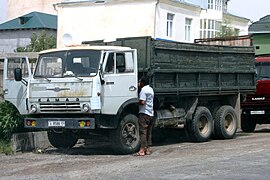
[29, 141]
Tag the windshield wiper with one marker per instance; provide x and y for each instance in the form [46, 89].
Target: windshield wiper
[71, 74]
[47, 79]
[76, 76]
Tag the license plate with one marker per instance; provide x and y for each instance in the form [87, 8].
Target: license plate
[257, 112]
[56, 123]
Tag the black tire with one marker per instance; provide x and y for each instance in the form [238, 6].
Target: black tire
[214, 136]
[248, 124]
[126, 139]
[225, 123]
[201, 126]
[65, 139]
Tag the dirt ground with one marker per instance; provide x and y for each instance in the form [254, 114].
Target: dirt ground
[245, 157]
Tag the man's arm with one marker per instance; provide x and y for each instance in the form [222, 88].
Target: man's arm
[141, 102]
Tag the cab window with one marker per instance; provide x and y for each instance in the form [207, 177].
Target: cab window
[119, 63]
[17, 63]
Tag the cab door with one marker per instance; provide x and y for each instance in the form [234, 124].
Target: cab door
[16, 91]
[120, 76]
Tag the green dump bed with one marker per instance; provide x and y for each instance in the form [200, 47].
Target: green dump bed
[188, 69]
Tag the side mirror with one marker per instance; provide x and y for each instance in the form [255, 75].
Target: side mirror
[18, 74]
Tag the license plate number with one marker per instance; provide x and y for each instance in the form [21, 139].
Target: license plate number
[257, 112]
[56, 123]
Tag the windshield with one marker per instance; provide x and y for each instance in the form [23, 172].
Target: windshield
[68, 63]
[263, 70]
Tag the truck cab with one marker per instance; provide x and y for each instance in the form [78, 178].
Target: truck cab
[256, 106]
[73, 89]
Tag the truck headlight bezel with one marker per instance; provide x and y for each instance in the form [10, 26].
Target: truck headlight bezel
[33, 108]
[85, 107]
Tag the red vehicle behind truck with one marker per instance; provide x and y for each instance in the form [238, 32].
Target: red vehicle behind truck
[256, 106]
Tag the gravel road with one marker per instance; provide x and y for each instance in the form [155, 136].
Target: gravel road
[245, 157]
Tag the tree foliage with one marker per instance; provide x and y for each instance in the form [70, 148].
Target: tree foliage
[227, 30]
[39, 43]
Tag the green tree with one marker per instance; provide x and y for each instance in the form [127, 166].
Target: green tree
[39, 43]
[227, 30]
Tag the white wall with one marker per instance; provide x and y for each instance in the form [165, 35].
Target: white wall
[239, 24]
[126, 19]
[18, 8]
[89, 21]
[211, 14]
[181, 13]
[86, 21]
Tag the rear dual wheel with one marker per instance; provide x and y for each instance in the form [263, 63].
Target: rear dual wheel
[225, 123]
[201, 125]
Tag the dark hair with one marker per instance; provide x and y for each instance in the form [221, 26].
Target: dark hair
[144, 80]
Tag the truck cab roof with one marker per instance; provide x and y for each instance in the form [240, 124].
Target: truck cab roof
[87, 47]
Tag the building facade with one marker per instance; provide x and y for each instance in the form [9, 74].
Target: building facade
[180, 20]
[260, 32]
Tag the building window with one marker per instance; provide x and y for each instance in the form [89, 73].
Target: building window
[209, 28]
[170, 18]
[210, 4]
[188, 29]
[215, 4]
[225, 5]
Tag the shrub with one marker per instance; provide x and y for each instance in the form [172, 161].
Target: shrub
[5, 147]
[10, 120]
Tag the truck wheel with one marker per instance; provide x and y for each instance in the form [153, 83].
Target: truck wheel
[62, 140]
[125, 139]
[200, 128]
[225, 123]
[247, 124]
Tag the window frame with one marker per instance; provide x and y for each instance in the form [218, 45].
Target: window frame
[170, 23]
[188, 26]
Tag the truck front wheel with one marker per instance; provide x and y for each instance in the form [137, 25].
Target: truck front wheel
[200, 128]
[63, 139]
[225, 123]
[125, 139]
[247, 124]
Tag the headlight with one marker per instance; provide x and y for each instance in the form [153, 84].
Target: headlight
[85, 108]
[33, 108]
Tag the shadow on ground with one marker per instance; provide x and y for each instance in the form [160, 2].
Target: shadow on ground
[103, 147]
[160, 138]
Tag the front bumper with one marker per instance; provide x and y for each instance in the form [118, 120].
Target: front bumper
[60, 123]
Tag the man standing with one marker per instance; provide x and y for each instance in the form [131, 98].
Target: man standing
[146, 114]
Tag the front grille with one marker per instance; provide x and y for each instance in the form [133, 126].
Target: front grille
[59, 107]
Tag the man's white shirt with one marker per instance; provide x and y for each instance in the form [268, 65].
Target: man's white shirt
[147, 95]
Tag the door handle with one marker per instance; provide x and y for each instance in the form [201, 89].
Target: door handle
[132, 88]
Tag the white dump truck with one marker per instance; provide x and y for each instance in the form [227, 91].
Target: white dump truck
[75, 92]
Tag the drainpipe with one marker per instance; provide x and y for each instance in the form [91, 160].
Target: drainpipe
[155, 22]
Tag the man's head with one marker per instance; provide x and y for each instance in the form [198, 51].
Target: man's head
[144, 81]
